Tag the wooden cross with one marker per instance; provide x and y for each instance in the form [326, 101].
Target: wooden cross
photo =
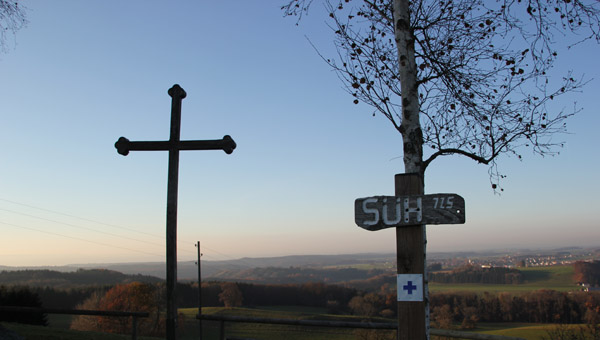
[173, 145]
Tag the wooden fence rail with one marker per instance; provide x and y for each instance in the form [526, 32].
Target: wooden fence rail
[109, 313]
[345, 324]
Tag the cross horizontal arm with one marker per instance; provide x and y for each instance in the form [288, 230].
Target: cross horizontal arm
[124, 145]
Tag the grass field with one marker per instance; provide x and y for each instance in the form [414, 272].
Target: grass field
[558, 278]
[262, 332]
[522, 330]
[190, 329]
[51, 333]
[266, 331]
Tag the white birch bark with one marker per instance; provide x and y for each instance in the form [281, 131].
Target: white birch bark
[412, 136]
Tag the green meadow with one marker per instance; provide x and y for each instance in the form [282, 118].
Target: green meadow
[521, 330]
[558, 278]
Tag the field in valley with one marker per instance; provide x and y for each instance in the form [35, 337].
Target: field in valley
[559, 278]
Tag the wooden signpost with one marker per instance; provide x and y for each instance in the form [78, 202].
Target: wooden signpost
[173, 145]
[379, 212]
[408, 211]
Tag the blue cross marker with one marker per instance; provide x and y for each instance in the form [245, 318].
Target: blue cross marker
[409, 287]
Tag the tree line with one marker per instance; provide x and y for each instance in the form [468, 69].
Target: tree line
[144, 297]
[541, 306]
[280, 275]
[232, 294]
[21, 297]
[587, 272]
[80, 277]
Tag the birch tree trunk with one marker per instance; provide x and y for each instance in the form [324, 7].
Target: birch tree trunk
[412, 138]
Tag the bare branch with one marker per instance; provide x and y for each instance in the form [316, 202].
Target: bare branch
[482, 68]
[12, 19]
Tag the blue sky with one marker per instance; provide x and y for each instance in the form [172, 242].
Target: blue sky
[84, 73]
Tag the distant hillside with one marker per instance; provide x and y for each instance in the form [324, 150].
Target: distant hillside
[62, 269]
[79, 278]
[290, 275]
[357, 270]
[187, 270]
[332, 269]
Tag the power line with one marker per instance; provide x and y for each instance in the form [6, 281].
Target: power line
[80, 227]
[85, 219]
[180, 243]
[78, 238]
[248, 265]
[108, 245]
[80, 218]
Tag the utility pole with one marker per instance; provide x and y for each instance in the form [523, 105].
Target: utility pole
[199, 292]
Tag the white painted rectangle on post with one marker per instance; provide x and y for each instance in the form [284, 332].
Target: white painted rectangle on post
[410, 287]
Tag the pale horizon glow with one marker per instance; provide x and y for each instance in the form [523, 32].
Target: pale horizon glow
[84, 73]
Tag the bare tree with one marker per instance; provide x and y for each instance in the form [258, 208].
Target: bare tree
[12, 19]
[460, 77]
[231, 295]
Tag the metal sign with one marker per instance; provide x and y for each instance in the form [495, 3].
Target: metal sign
[380, 212]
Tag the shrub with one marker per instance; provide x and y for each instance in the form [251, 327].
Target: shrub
[21, 297]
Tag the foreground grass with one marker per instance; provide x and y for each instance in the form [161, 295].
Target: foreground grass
[189, 328]
[31, 332]
[524, 330]
[267, 331]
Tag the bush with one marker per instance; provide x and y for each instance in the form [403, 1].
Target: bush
[21, 297]
[132, 297]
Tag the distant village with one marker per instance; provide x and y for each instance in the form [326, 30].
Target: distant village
[523, 259]
[519, 259]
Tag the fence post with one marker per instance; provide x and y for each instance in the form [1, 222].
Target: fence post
[347, 324]
[134, 328]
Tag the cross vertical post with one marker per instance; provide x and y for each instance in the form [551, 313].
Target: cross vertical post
[177, 94]
[173, 145]
[199, 291]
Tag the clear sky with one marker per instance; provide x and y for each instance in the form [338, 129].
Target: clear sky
[84, 73]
